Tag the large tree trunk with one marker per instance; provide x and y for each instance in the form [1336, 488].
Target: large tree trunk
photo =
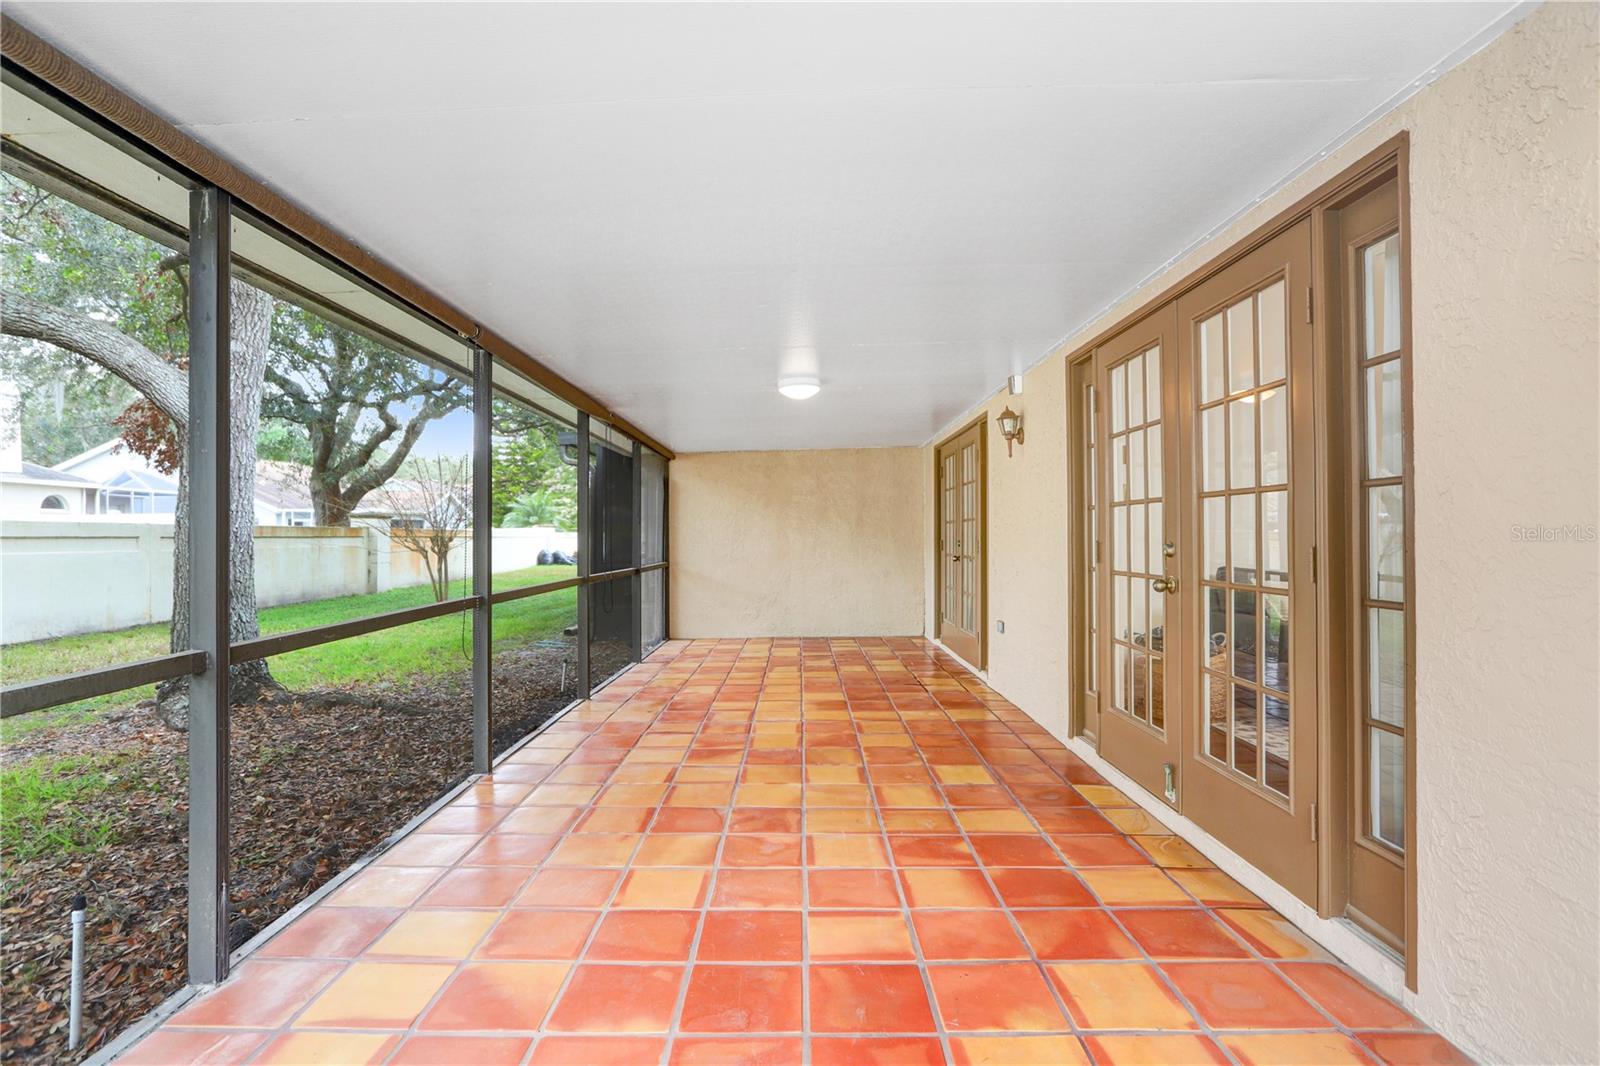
[251, 323]
[166, 386]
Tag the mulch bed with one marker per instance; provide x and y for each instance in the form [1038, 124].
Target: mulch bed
[319, 779]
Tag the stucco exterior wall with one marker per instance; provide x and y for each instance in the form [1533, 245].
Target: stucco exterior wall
[1506, 304]
[802, 543]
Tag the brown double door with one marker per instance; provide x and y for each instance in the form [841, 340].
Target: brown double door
[1204, 607]
[960, 464]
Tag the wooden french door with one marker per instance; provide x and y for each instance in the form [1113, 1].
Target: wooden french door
[962, 472]
[1249, 499]
[1206, 619]
[1136, 396]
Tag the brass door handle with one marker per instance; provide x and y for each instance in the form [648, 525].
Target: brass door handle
[1165, 584]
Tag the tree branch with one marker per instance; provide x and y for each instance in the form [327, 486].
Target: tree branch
[153, 377]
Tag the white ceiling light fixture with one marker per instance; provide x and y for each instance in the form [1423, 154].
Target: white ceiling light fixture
[799, 388]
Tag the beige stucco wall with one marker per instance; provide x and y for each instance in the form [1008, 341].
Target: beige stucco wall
[799, 543]
[1504, 225]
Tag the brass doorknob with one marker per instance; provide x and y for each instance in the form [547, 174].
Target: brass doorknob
[1165, 584]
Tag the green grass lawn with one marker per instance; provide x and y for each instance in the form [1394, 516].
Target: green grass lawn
[433, 646]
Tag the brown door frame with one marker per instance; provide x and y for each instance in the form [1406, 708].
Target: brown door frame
[1085, 702]
[981, 425]
[1391, 158]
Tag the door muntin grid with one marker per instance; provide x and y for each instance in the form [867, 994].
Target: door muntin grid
[1243, 418]
[1134, 453]
[1382, 584]
[967, 546]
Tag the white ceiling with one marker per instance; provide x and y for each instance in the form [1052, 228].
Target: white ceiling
[672, 204]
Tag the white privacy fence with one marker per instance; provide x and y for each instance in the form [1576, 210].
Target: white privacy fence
[58, 578]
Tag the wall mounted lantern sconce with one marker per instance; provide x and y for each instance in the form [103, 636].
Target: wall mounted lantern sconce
[1010, 427]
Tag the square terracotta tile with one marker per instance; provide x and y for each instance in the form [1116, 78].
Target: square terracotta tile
[845, 850]
[918, 821]
[644, 936]
[662, 889]
[1090, 850]
[535, 935]
[618, 999]
[429, 849]
[916, 850]
[1413, 1049]
[330, 933]
[214, 1047]
[261, 994]
[765, 820]
[1142, 886]
[296, 1049]
[1008, 996]
[569, 888]
[1073, 820]
[1271, 934]
[1243, 995]
[876, 1051]
[489, 996]
[1064, 1050]
[1181, 934]
[1035, 887]
[597, 1050]
[375, 995]
[743, 999]
[1173, 852]
[1118, 995]
[949, 935]
[1353, 1004]
[869, 999]
[1014, 850]
[995, 820]
[1215, 888]
[853, 889]
[678, 849]
[476, 886]
[762, 849]
[737, 1051]
[595, 849]
[453, 1050]
[752, 936]
[1310, 1049]
[1082, 933]
[1156, 1050]
[433, 934]
[612, 819]
[947, 887]
[384, 886]
[758, 889]
[859, 936]
[688, 820]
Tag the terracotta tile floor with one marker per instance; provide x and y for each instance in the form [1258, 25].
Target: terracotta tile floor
[772, 851]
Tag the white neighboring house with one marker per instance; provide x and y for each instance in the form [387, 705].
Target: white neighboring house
[28, 489]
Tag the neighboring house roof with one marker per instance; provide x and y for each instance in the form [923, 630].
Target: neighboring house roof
[143, 480]
[93, 453]
[282, 486]
[35, 472]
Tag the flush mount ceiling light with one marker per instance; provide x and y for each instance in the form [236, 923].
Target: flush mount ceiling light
[799, 388]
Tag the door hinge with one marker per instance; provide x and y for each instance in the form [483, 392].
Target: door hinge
[1313, 823]
[1308, 305]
